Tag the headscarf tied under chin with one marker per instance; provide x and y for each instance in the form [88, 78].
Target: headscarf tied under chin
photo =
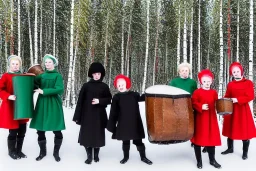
[53, 58]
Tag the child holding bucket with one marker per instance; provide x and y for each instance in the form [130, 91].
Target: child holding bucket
[17, 128]
[125, 121]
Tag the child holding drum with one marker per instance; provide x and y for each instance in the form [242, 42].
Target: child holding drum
[239, 125]
[17, 128]
[206, 132]
[125, 121]
[90, 112]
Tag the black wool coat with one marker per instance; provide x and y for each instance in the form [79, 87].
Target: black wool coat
[92, 118]
[124, 120]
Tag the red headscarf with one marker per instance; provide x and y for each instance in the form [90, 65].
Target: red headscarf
[127, 80]
[236, 64]
[205, 72]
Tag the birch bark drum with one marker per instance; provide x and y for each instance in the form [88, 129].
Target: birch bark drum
[23, 87]
[169, 114]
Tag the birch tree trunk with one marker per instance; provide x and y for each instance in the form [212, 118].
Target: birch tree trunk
[73, 102]
[238, 35]
[122, 45]
[191, 43]
[106, 43]
[54, 27]
[185, 37]
[71, 58]
[199, 38]
[110, 71]
[30, 35]
[251, 49]
[35, 34]
[146, 54]
[41, 29]
[156, 41]
[128, 43]
[12, 38]
[19, 41]
[5, 45]
[178, 40]
[221, 53]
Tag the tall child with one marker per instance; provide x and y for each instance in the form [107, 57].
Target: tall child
[90, 112]
[125, 121]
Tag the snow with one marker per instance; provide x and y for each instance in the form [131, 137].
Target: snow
[165, 157]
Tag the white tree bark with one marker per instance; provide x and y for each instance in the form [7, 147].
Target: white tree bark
[238, 34]
[251, 48]
[178, 39]
[54, 25]
[185, 37]
[110, 72]
[128, 43]
[106, 43]
[158, 7]
[19, 41]
[12, 38]
[146, 54]
[122, 45]
[30, 35]
[199, 38]
[191, 43]
[71, 56]
[35, 34]
[221, 53]
[41, 29]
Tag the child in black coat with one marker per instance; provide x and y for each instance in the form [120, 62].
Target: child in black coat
[125, 121]
[90, 112]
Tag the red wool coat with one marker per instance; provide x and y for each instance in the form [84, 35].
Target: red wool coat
[240, 124]
[206, 131]
[7, 106]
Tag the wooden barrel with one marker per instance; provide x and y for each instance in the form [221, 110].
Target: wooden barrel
[169, 114]
[224, 106]
[36, 69]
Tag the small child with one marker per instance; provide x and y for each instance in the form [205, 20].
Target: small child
[90, 112]
[125, 121]
[206, 131]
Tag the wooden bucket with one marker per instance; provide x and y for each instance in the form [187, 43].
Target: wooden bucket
[36, 69]
[224, 106]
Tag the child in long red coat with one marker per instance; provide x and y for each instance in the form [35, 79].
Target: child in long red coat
[240, 124]
[17, 128]
[206, 132]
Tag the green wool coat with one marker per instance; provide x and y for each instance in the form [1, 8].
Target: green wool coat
[48, 114]
[187, 84]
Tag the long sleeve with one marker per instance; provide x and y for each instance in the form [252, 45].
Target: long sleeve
[79, 106]
[197, 105]
[104, 101]
[113, 116]
[3, 86]
[249, 94]
[57, 89]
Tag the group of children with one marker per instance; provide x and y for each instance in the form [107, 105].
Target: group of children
[124, 121]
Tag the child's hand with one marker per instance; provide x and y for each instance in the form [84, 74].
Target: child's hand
[40, 91]
[205, 107]
[234, 100]
[95, 101]
[12, 97]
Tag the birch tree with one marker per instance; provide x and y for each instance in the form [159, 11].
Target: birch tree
[122, 45]
[54, 25]
[185, 36]
[71, 58]
[35, 35]
[146, 54]
[19, 41]
[238, 34]
[221, 53]
[178, 39]
[158, 7]
[191, 42]
[30, 35]
[12, 38]
[251, 49]
[41, 29]
[199, 38]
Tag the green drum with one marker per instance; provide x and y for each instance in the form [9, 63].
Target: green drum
[23, 87]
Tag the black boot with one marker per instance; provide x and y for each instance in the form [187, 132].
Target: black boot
[19, 148]
[57, 145]
[126, 149]
[204, 150]
[143, 157]
[211, 153]
[89, 155]
[230, 149]
[246, 144]
[12, 149]
[198, 155]
[96, 154]
[42, 154]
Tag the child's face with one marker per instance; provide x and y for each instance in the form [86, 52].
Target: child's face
[206, 82]
[184, 72]
[14, 65]
[96, 76]
[121, 85]
[236, 72]
[49, 65]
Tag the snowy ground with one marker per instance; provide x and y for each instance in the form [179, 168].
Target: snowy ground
[165, 157]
